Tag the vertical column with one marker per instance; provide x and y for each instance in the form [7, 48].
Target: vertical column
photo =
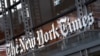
[79, 7]
[86, 52]
[31, 22]
[9, 15]
[84, 7]
[81, 11]
[10, 18]
[63, 45]
[80, 15]
[81, 53]
[27, 19]
[30, 16]
[85, 10]
[7, 26]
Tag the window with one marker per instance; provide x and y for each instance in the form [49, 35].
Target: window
[61, 5]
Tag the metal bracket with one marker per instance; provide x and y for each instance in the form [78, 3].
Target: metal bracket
[25, 18]
[81, 8]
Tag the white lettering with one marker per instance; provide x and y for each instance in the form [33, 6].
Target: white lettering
[55, 33]
[64, 27]
[46, 37]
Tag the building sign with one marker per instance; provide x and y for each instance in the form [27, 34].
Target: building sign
[63, 25]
